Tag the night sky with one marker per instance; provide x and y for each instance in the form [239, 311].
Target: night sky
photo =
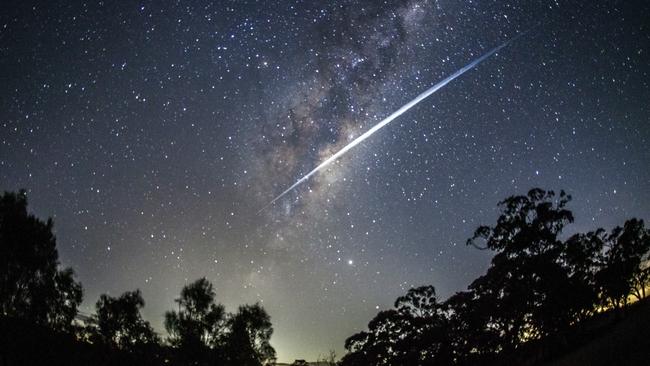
[153, 132]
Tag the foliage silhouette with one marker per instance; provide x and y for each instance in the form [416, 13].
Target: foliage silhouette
[202, 333]
[197, 328]
[624, 272]
[528, 284]
[119, 323]
[537, 287]
[39, 301]
[247, 340]
[32, 286]
[414, 333]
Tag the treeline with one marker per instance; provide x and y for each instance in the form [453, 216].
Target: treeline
[538, 288]
[39, 304]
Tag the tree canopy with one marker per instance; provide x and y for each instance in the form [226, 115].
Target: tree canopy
[203, 333]
[413, 333]
[199, 320]
[120, 324]
[540, 283]
[247, 340]
[32, 286]
[537, 286]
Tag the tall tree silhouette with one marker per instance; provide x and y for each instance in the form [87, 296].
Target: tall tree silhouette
[120, 324]
[197, 328]
[529, 283]
[32, 286]
[247, 341]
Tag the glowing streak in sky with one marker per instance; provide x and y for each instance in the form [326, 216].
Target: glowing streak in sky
[390, 118]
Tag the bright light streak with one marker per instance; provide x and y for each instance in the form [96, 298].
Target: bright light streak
[390, 118]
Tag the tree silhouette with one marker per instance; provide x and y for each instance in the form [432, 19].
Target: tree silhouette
[624, 272]
[120, 324]
[197, 328]
[537, 287]
[473, 335]
[31, 285]
[414, 333]
[247, 342]
[202, 333]
[530, 281]
[67, 295]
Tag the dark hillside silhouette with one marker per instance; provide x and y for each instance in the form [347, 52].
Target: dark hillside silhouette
[611, 339]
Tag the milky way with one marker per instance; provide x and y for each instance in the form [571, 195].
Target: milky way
[388, 120]
[153, 132]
